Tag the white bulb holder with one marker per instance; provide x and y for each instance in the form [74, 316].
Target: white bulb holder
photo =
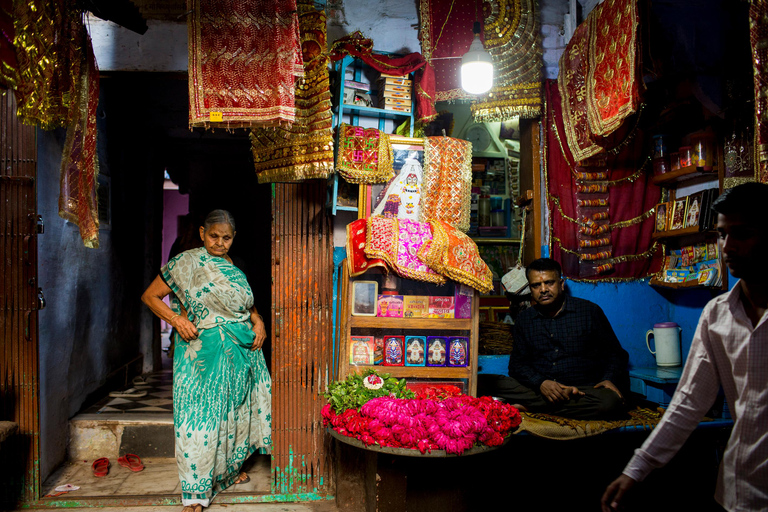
[476, 68]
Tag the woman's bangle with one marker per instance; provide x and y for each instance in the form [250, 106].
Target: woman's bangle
[174, 316]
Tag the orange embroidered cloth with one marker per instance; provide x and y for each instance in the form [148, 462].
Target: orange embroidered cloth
[244, 56]
[79, 164]
[447, 182]
[454, 255]
[304, 149]
[598, 78]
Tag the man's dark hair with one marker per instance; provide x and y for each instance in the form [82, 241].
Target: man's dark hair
[544, 265]
[748, 199]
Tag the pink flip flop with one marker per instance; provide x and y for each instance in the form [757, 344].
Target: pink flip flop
[131, 461]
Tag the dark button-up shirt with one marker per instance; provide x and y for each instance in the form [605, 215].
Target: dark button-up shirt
[576, 348]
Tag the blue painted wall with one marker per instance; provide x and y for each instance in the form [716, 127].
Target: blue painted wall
[634, 307]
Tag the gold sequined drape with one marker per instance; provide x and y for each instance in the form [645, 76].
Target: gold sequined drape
[304, 149]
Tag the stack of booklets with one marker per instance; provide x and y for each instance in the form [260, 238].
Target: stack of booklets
[357, 93]
[694, 264]
[395, 93]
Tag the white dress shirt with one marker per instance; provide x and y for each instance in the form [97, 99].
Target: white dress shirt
[727, 351]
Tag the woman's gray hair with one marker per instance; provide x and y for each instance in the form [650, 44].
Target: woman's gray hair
[219, 217]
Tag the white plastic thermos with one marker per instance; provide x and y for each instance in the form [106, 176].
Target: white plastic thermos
[666, 336]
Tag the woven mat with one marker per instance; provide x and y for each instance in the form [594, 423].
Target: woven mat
[559, 428]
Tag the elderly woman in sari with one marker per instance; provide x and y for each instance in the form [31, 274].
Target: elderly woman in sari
[221, 386]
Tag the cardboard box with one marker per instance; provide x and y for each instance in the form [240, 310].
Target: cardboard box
[441, 306]
[385, 102]
[416, 306]
[463, 301]
[361, 350]
[395, 80]
[397, 95]
[390, 306]
[385, 88]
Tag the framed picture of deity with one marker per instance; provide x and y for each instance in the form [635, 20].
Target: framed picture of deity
[399, 197]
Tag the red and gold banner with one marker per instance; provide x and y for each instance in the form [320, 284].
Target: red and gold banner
[244, 57]
[602, 216]
[598, 79]
[79, 165]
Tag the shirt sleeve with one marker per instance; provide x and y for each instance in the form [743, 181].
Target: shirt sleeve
[616, 358]
[520, 366]
[695, 394]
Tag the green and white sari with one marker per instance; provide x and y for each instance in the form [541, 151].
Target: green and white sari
[222, 398]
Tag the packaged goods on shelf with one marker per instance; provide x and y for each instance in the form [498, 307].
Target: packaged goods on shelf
[395, 80]
[394, 351]
[416, 306]
[390, 306]
[441, 307]
[415, 350]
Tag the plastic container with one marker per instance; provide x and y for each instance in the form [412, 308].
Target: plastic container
[659, 146]
[674, 161]
[484, 210]
[703, 149]
[661, 165]
[686, 156]
[497, 217]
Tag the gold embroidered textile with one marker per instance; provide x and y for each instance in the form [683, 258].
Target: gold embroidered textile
[304, 149]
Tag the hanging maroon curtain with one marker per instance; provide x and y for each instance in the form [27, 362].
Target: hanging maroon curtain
[629, 201]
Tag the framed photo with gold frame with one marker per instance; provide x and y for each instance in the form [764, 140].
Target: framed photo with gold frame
[400, 196]
[679, 207]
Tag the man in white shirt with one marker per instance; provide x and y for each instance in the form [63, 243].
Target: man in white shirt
[729, 349]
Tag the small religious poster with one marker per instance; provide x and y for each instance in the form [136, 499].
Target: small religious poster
[436, 348]
[458, 351]
[694, 209]
[415, 350]
[662, 219]
[678, 214]
[394, 350]
[361, 350]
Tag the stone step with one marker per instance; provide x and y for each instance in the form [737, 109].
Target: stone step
[147, 435]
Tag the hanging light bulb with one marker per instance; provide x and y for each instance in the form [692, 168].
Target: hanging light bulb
[476, 66]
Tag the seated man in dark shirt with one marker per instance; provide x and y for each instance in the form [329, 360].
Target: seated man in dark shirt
[565, 359]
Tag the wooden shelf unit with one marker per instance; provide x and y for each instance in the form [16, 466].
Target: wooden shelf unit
[408, 326]
[682, 174]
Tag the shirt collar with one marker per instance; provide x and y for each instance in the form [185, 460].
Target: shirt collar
[567, 306]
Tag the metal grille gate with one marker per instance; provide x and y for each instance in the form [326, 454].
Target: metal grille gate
[302, 272]
[19, 383]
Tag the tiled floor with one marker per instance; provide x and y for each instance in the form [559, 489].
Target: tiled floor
[158, 398]
[159, 477]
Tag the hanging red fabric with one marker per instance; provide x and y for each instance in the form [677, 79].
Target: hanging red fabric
[360, 47]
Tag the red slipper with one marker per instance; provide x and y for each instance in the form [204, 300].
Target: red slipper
[100, 467]
[131, 461]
